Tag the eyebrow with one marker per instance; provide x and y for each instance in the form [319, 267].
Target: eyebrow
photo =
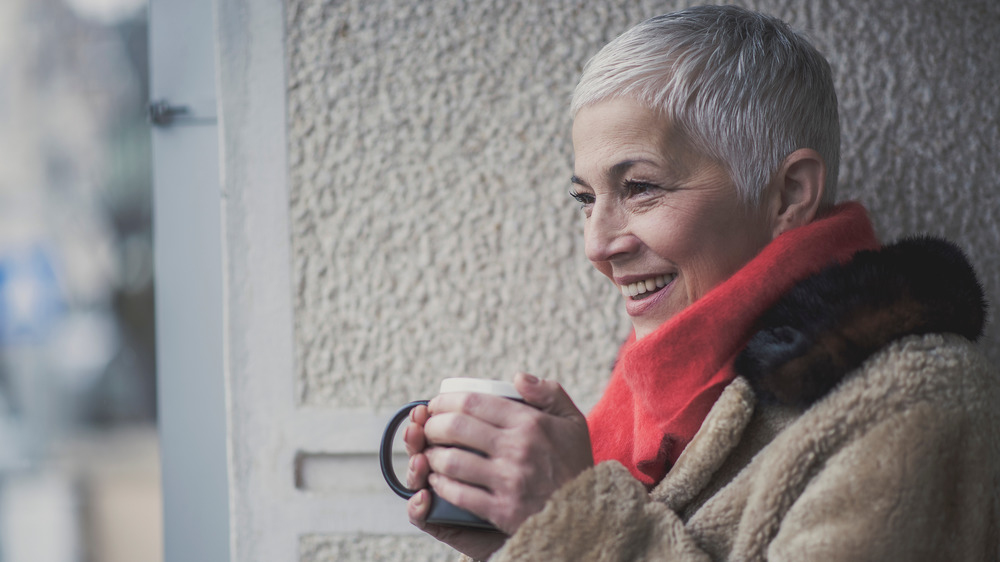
[616, 170]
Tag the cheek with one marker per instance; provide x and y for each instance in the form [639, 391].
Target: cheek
[674, 237]
[724, 251]
[705, 247]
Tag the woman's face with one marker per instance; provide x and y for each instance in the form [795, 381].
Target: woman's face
[664, 224]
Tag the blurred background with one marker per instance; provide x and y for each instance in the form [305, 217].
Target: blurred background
[79, 466]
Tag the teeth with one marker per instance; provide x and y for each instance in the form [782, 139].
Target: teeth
[646, 286]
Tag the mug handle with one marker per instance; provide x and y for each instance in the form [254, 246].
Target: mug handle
[385, 450]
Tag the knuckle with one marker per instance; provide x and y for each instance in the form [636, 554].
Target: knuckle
[532, 424]
[450, 427]
[529, 434]
[447, 463]
[514, 480]
[517, 447]
[469, 403]
[536, 421]
[519, 454]
[440, 427]
[512, 447]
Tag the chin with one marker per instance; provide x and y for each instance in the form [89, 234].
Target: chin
[644, 331]
[645, 328]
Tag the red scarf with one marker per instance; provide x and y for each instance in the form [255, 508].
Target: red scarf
[664, 385]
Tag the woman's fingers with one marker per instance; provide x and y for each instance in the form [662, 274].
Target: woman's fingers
[539, 395]
[419, 414]
[462, 429]
[546, 395]
[417, 508]
[414, 439]
[416, 472]
[471, 498]
[460, 465]
[416, 442]
[494, 410]
[477, 544]
[413, 436]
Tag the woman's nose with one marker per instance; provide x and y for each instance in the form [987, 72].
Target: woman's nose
[607, 234]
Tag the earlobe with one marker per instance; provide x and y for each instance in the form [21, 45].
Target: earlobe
[798, 190]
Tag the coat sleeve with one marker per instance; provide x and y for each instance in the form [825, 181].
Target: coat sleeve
[919, 484]
[603, 515]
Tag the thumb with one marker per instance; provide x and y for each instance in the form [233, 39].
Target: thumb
[547, 396]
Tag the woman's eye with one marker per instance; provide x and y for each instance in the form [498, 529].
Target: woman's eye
[582, 198]
[633, 188]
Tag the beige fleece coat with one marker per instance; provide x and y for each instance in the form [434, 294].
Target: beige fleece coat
[898, 462]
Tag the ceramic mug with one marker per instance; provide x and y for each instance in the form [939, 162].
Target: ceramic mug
[441, 512]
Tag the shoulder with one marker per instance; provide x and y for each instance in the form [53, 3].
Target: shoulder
[829, 325]
[946, 366]
[902, 457]
[944, 374]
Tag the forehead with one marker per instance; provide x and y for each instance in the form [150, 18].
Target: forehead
[616, 130]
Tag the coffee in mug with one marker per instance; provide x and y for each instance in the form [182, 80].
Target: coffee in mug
[441, 512]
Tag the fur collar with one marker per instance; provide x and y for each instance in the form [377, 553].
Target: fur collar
[830, 323]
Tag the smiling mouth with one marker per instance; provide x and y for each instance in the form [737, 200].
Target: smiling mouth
[642, 289]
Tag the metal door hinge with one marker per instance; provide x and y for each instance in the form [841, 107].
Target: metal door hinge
[162, 114]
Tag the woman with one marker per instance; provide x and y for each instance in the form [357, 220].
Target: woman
[791, 391]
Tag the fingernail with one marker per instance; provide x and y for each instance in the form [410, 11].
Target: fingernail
[420, 498]
[529, 378]
[406, 434]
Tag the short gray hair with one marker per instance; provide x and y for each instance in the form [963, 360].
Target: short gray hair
[743, 87]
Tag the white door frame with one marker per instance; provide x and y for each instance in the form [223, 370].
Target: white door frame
[187, 229]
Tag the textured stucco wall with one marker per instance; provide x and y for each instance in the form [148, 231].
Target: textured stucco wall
[372, 548]
[432, 233]
[429, 161]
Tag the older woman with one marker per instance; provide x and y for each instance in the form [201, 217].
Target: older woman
[792, 389]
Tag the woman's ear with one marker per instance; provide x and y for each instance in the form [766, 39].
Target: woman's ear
[797, 190]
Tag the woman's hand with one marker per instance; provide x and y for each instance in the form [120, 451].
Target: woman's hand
[477, 544]
[531, 450]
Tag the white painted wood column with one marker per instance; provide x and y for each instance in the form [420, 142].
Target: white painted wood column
[189, 284]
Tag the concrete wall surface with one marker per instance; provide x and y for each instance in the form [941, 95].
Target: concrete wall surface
[428, 165]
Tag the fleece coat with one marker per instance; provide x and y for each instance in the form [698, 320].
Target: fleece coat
[862, 425]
